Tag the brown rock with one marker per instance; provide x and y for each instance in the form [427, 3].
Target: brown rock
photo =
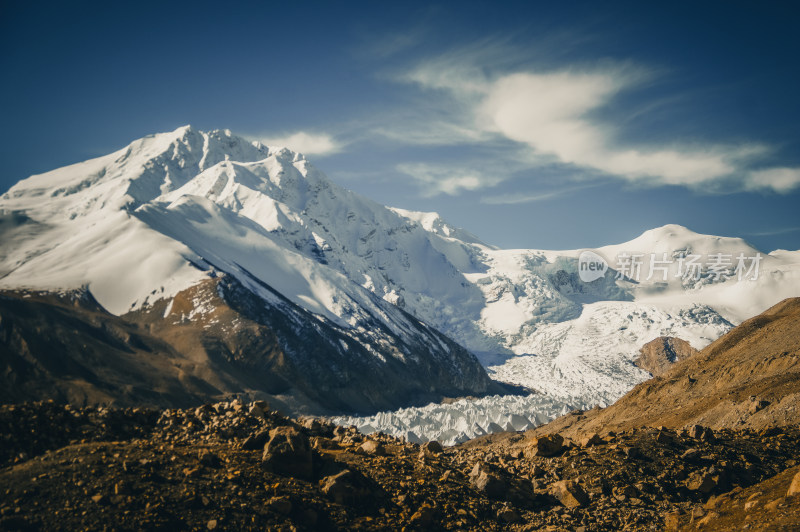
[547, 445]
[509, 515]
[672, 521]
[591, 439]
[423, 516]
[702, 482]
[774, 505]
[570, 493]
[371, 447]
[288, 453]
[433, 447]
[207, 458]
[794, 487]
[281, 505]
[757, 405]
[256, 441]
[486, 481]
[706, 521]
[658, 356]
[345, 487]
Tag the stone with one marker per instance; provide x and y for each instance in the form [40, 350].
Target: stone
[664, 437]
[702, 482]
[569, 493]
[345, 487]
[281, 505]
[705, 521]
[509, 515]
[209, 459]
[256, 410]
[371, 447]
[486, 481]
[757, 405]
[433, 447]
[591, 439]
[632, 453]
[547, 445]
[749, 505]
[696, 431]
[212, 524]
[794, 487]
[288, 453]
[423, 516]
[256, 441]
[774, 505]
[672, 521]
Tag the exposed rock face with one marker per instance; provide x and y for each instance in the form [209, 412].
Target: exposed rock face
[658, 356]
[747, 379]
[217, 339]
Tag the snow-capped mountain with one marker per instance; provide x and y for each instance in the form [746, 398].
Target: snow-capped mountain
[141, 226]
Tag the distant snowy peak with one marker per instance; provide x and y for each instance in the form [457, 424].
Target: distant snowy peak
[434, 223]
[673, 238]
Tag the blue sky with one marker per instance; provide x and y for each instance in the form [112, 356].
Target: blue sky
[530, 124]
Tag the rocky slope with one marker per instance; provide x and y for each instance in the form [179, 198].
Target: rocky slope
[238, 466]
[748, 379]
[642, 464]
[217, 339]
[657, 356]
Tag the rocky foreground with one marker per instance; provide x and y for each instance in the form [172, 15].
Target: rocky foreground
[237, 465]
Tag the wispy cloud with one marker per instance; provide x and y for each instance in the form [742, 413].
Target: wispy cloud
[441, 179]
[774, 232]
[304, 142]
[517, 199]
[777, 179]
[486, 94]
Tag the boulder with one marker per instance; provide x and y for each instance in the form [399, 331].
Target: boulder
[569, 493]
[346, 487]
[591, 439]
[702, 482]
[487, 481]
[432, 447]
[288, 453]
[794, 487]
[547, 445]
[256, 441]
[372, 447]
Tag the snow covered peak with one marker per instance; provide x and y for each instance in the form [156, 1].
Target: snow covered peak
[675, 239]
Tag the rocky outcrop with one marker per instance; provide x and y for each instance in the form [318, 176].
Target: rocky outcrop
[657, 356]
[218, 339]
[747, 379]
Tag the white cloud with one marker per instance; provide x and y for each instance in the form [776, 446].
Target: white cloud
[554, 115]
[778, 179]
[517, 199]
[440, 179]
[305, 143]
